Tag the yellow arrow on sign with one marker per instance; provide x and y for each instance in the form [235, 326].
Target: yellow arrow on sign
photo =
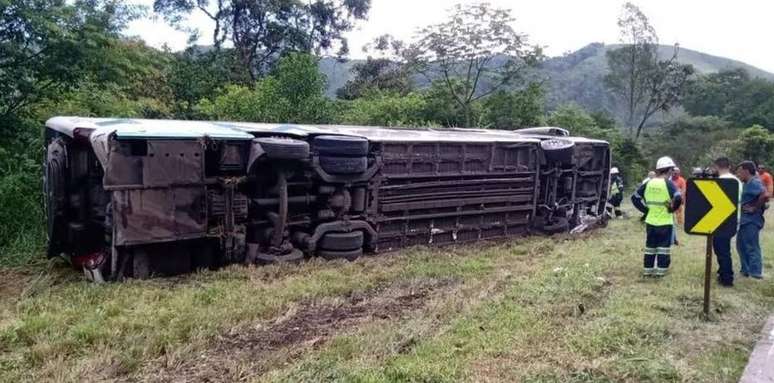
[722, 207]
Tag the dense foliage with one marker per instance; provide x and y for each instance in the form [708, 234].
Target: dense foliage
[261, 31]
[734, 96]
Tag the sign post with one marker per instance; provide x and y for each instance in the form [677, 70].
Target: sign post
[711, 210]
[707, 272]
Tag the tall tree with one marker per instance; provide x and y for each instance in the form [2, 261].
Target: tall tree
[375, 74]
[733, 95]
[263, 30]
[475, 52]
[641, 81]
[711, 94]
[48, 46]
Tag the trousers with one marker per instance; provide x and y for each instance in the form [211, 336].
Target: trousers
[749, 247]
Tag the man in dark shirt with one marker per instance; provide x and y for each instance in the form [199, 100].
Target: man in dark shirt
[754, 197]
[722, 244]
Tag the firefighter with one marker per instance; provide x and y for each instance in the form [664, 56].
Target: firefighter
[658, 198]
[616, 192]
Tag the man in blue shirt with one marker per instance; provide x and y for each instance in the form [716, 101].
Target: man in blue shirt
[751, 222]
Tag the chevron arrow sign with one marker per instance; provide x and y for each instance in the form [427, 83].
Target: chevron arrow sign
[711, 206]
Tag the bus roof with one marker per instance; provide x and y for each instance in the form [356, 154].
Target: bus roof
[131, 128]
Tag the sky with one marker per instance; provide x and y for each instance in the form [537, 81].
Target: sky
[738, 29]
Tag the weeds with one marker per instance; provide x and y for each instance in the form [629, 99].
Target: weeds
[534, 309]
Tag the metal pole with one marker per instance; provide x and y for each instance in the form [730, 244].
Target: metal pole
[707, 272]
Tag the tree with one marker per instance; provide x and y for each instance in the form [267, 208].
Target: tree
[644, 83]
[754, 105]
[686, 139]
[194, 75]
[709, 95]
[261, 31]
[442, 108]
[754, 144]
[475, 53]
[292, 92]
[375, 74]
[513, 110]
[603, 120]
[48, 46]
[734, 96]
[573, 118]
[383, 71]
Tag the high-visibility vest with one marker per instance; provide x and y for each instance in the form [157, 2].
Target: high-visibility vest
[658, 200]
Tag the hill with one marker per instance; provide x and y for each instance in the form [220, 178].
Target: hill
[574, 77]
[577, 76]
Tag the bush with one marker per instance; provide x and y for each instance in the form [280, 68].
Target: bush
[384, 109]
[442, 109]
[293, 92]
[22, 223]
[687, 138]
[513, 110]
[22, 226]
[755, 144]
[573, 118]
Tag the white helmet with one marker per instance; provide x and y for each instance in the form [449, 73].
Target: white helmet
[614, 170]
[664, 163]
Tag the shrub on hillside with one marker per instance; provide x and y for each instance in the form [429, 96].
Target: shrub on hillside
[293, 92]
[384, 109]
[687, 138]
[755, 143]
[514, 110]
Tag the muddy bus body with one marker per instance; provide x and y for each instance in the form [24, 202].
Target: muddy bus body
[133, 198]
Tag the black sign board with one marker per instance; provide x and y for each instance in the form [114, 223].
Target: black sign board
[711, 206]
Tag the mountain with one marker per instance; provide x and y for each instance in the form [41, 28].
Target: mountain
[578, 76]
[574, 77]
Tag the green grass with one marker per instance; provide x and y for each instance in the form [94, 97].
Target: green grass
[22, 222]
[534, 309]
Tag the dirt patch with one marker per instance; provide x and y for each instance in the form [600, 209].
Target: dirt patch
[250, 351]
[13, 283]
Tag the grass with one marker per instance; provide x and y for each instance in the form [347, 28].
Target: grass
[535, 310]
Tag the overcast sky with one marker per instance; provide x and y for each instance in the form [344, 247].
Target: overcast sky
[738, 29]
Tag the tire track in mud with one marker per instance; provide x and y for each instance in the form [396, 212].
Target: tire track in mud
[248, 352]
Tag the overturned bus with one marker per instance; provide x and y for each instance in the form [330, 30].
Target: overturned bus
[133, 198]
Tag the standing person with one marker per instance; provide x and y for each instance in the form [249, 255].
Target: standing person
[722, 245]
[658, 199]
[651, 175]
[679, 181]
[753, 200]
[768, 181]
[616, 191]
[681, 185]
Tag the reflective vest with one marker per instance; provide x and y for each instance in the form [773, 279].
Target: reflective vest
[658, 200]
